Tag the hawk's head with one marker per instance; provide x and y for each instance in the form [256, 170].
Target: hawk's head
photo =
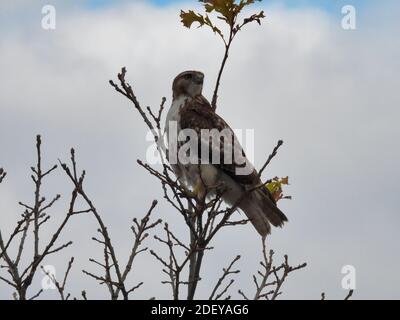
[188, 83]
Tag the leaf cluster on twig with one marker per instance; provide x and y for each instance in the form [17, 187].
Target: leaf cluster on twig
[228, 11]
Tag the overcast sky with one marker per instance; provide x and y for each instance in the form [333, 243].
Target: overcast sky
[331, 94]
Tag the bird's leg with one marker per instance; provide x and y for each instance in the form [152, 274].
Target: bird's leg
[199, 193]
[187, 193]
[219, 189]
[198, 190]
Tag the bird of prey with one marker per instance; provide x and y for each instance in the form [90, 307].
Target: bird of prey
[191, 111]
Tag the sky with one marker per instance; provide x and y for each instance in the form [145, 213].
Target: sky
[331, 95]
[325, 4]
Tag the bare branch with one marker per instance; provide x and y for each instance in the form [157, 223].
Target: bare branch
[60, 287]
[271, 156]
[349, 295]
[226, 272]
[2, 174]
[33, 214]
[36, 295]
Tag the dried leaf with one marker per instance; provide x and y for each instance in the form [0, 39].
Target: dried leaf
[190, 17]
[226, 10]
[275, 188]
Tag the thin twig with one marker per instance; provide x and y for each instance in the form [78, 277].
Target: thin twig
[226, 272]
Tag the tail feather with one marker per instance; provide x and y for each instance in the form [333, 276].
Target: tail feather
[261, 210]
[273, 213]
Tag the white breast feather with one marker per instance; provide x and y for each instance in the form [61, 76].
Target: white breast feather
[173, 113]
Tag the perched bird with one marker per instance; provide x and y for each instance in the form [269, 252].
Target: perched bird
[191, 111]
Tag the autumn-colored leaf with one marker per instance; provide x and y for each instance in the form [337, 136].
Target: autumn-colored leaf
[275, 188]
[214, 28]
[255, 17]
[190, 17]
[285, 181]
[226, 10]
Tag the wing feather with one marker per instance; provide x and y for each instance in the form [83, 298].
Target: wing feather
[198, 114]
[260, 207]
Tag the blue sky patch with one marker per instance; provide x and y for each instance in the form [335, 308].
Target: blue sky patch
[328, 5]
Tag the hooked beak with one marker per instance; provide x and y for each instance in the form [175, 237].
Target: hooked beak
[199, 78]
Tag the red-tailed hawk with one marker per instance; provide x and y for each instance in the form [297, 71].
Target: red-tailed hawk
[207, 165]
